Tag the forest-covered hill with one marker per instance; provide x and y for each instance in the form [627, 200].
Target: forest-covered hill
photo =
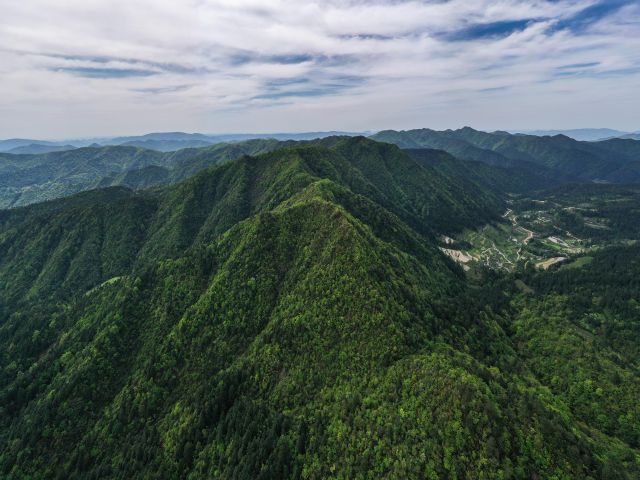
[554, 157]
[291, 315]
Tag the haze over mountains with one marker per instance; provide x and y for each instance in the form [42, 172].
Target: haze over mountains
[162, 141]
[586, 134]
[171, 141]
[29, 178]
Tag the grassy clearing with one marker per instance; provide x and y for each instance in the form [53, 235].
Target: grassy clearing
[578, 262]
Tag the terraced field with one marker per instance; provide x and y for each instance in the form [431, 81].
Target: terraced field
[559, 228]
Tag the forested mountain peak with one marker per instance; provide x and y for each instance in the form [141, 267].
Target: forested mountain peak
[293, 314]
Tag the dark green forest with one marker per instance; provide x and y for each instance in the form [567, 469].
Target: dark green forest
[283, 310]
[557, 159]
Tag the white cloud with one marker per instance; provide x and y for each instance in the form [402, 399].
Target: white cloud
[71, 67]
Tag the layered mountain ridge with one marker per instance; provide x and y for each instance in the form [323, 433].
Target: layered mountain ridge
[286, 315]
[539, 162]
[614, 161]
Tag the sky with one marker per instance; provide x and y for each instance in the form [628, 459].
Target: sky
[80, 68]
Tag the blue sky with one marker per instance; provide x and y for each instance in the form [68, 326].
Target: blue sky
[84, 68]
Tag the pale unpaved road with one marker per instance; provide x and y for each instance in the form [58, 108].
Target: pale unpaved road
[514, 222]
[552, 261]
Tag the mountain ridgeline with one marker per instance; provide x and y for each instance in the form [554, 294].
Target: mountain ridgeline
[558, 159]
[159, 141]
[285, 311]
[534, 163]
[164, 223]
[26, 179]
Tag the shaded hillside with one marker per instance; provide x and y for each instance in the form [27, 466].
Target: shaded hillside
[559, 157]
[490, 177]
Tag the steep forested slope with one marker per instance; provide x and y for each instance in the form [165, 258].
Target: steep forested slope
[208, 204]
[491, 178]
[281, 316]
[579, 331]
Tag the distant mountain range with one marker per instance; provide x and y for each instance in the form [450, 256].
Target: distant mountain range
[26, 179]
[36, 172]
[173, 141]
[35, 148]
[557, 159]
[160, 141]
[584, 134]
[13, 143]
[631, 136]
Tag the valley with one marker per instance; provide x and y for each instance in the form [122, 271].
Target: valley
[537, 231]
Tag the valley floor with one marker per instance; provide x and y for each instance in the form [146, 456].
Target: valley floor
[536, 231]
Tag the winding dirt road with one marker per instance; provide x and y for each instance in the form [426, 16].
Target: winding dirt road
[514, 222]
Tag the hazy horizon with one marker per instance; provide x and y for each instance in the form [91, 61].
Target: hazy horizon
[107, 136]
[91, 69]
